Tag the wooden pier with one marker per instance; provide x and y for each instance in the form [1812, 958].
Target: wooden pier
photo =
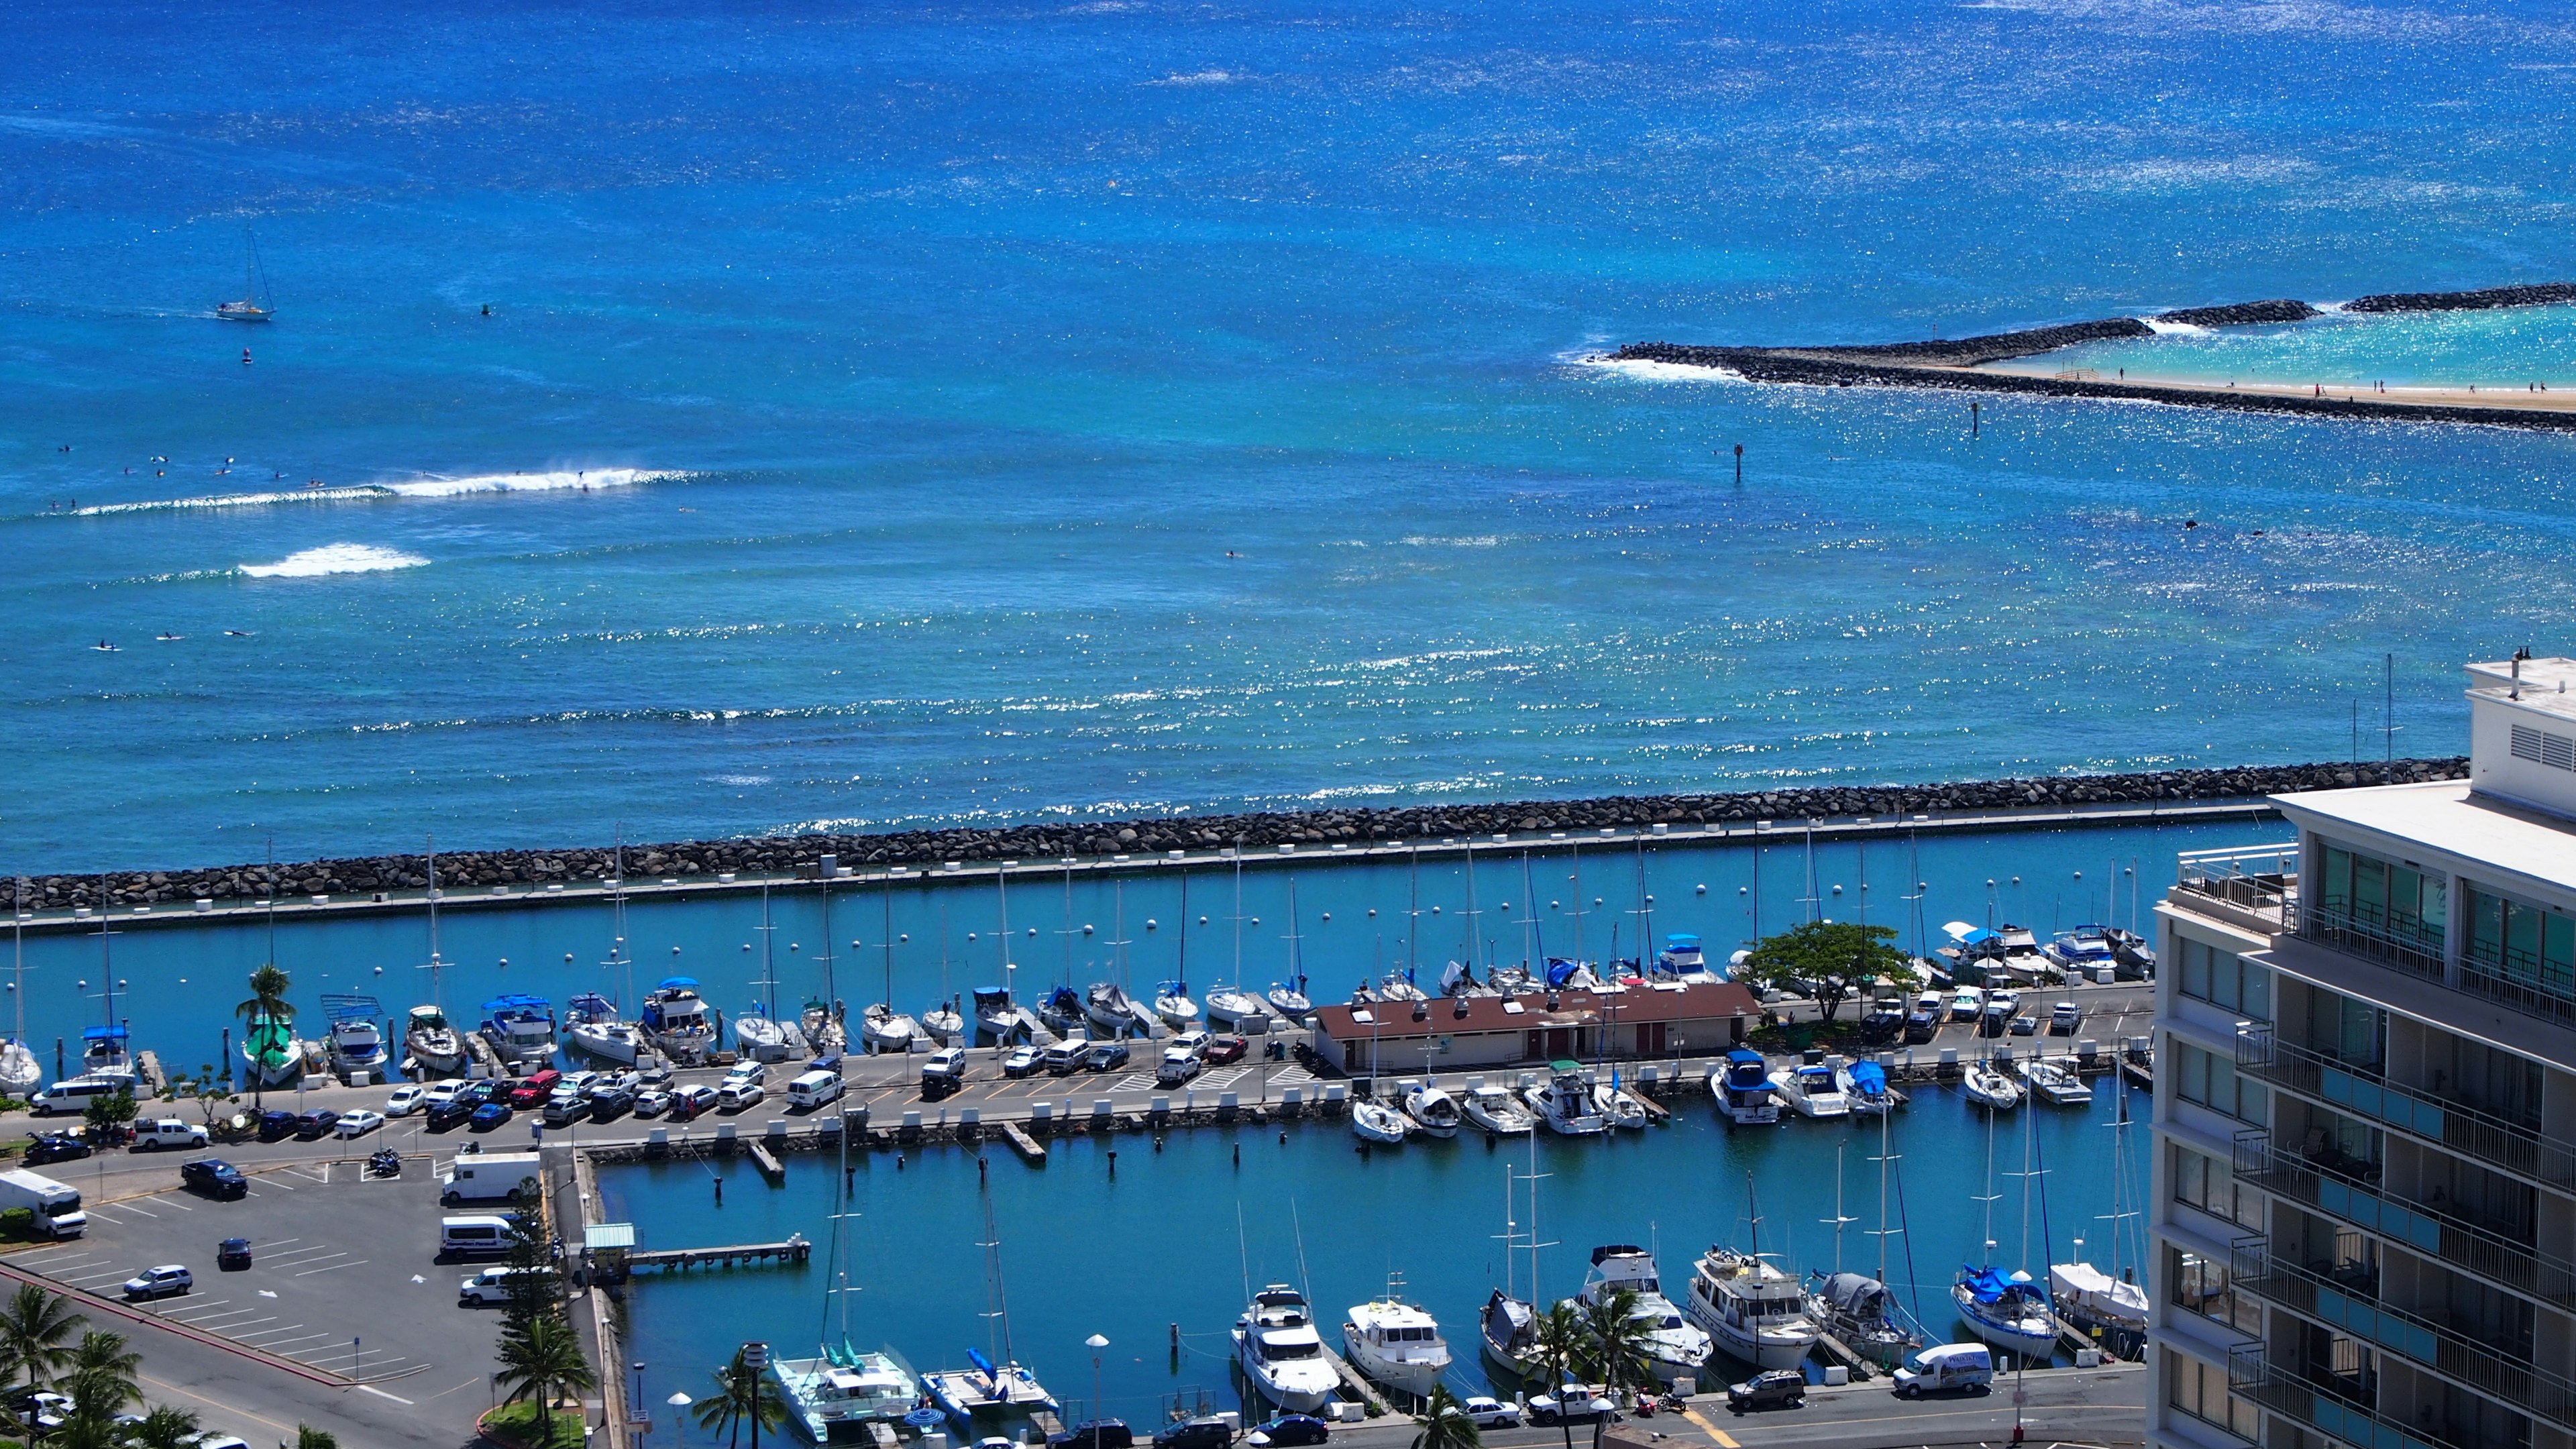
[1354, 1387]
[768, 1165]
[1025, 1145]
[796, 1250]
[1861, 1368]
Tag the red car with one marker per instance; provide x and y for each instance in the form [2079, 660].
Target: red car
[1224, 1049]
[534, 1091]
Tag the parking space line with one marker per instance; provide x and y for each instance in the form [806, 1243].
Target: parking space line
[280, 1243]
[379, 1393]
[173, 1202]
[191, 1305]
[273, 1340]
[304, 1254]
[137, 1207]
[352, 1263]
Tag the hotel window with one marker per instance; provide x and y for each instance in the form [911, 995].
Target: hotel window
[2201, 1285]
[2210, 1079]
[2210, 1185]
[2521, 952]
[2387, 910]
[2222, 979]
[2200, 1390]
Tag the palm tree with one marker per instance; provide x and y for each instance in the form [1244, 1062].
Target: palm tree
[308, 1437]
[741, 1392]
[267, 1003]
[101, 1384]
[1559, 1339]
[34, 1327]
[540, 1363]
[1443, 1423]
[165, 1428]
[1614, 1330]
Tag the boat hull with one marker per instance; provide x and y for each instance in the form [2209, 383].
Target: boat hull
[615, 1047]
[2027, 1335]
[1294, 1400]
[1403, 1376]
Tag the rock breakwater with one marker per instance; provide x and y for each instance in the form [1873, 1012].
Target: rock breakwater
[2539, 294]
[788, 854]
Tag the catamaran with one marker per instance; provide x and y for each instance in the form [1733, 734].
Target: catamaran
[841, 1394]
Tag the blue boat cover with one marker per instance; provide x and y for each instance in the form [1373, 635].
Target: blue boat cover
[1560, 970]
[516, 1003]
[976, 1357]
[1989, 1285]
[1742, 1055]
[1978, 937]
[1869, 1078]
[678, 983]
[103, 1033]
[1682, 940]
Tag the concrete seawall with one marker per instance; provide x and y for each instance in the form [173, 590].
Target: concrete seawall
[1355, 827]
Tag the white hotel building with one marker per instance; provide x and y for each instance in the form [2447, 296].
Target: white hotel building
[2364, 1216]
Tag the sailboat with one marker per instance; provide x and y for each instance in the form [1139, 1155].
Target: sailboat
[941, 1022]
[840, 1394]
[19, 1069]
[2111, 1302]
[2007, 1310]
[1231, 1006]
[1288, 998]
[1860, 1310]
[435, 1047]
[1509, 1325]
[255, 305]
[881, 1027]
[996, 1397]
[757, 1034]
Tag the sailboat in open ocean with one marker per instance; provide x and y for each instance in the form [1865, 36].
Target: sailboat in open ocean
[256, 305]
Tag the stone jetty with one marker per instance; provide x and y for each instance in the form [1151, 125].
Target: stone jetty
[790, 854]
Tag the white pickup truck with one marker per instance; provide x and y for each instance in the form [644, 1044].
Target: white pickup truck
[156, 1133]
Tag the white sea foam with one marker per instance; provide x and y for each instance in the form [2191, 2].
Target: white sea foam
[335, 558]
[1200, 78]
[237, 500]
[432, 486]
[1645, 371]
[2163, 328]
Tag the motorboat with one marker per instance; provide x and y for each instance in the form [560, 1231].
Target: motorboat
[1564, 1103]
[824, 1032]
[270, 1052]
[758, 1038]
[1864, 1087]
[434, 1046]
[1062, 1011]
[989, 1400]
[1172, 1003]
[19, 1069]
[1400, 988]
[1396, 1344]
[1234, 1008]
[1619, 1105]
[1755, 1311]
[1373, 1121]
[884, 1029]
[2091, 1298]
[836, 1397]
[1497, 1111]
[520, 1028]
[1682, 959]
[1809, 1089]
[995, 1015]
[1434, 1112]
[1674, 1347]
[1276, 1345]
[106, 1052]
[356, 1043]
[1509, 1328]
[1742, 1086]
[592, 1026]
[2055, 1085]
[1109, 1007]
[2007, 1311]
[1989, 1088]
[1861, 1312]
[2081, 949]
[676, 1021]
[1288, 1001]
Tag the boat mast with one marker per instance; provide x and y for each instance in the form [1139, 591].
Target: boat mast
[885, 929]
[1473, 960]
[831, 988]
[1238, 920]
[1534, 1243]
[768, 940]
[1574, 859]
[1412, 906]
[1840, 1217]
[437, 967]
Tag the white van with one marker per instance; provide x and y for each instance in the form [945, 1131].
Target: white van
[74, 1094]
[814, 1089]
[1946, 1367]
[492, 1285]
[480, 1233]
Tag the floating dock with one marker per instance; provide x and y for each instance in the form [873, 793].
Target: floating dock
[796, 1250]
[768, 1164]
[1023, 1144]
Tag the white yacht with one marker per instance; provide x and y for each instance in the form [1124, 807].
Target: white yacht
[1809, 1089]
[520, 1028]
[676, 1021]
[1754, 1311]
[834, 1398]
[1172, 1003]
[593, 1027]
[996, 1015]
[356, 1043]
[824, 1030]
[19, 1069]
[1674, 1347]
[1497, 1111]
[1434, 1112]
[884, 1029]
[1374, 1121]
[2055, 1085]
[1989, 1088]
[1742, 1086]
[1564, 1103]
[1396, 1344]
[758, 1038]
[942, 1023]
[1288, 1001]
[432, 1043]
[104, 1053]
[1278, 1349]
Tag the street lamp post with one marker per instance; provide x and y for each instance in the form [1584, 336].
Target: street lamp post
[639, 1402]
[1096, 1343]
[755, 1357]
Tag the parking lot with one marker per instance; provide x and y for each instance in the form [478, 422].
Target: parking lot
[344, 1279]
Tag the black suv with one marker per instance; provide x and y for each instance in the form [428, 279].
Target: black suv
[615, 1102]
[1882, 1025]
[1094, 1434]
[1923, 1025]
[55, 1147]
[1195, 1434]
[451, 1113]
[316, 1124]
[1778, 1389]
[276, 1126]
[214, 1177]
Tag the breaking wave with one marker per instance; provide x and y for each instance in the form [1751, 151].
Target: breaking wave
[335, 558]
[559, 481]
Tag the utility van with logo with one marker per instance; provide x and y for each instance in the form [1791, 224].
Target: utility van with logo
[1946, 1368]
[814, 1089]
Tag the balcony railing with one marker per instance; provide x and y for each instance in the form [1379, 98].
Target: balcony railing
[2360, 1091]
[2349, 1304]
[2488, 981]
[2262, 881]
[2446, 1237]
[2401, 943]
[2331, 1409]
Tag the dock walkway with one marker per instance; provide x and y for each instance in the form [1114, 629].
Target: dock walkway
[796, 1250]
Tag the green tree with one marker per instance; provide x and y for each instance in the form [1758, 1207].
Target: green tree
[1614, 1331]
[267, 1002]
[100, 1384]
[104, 1115]
[211, 1093]
[1443, 1423]
[1561, 1345]
[35, 1333]
[536, 1282]
[742, 1392]
[541, 1363]
[1827, 958]
[165, 1428]
[308, 1437]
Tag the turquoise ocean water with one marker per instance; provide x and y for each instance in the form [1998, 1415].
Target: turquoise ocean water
[1130, 406]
